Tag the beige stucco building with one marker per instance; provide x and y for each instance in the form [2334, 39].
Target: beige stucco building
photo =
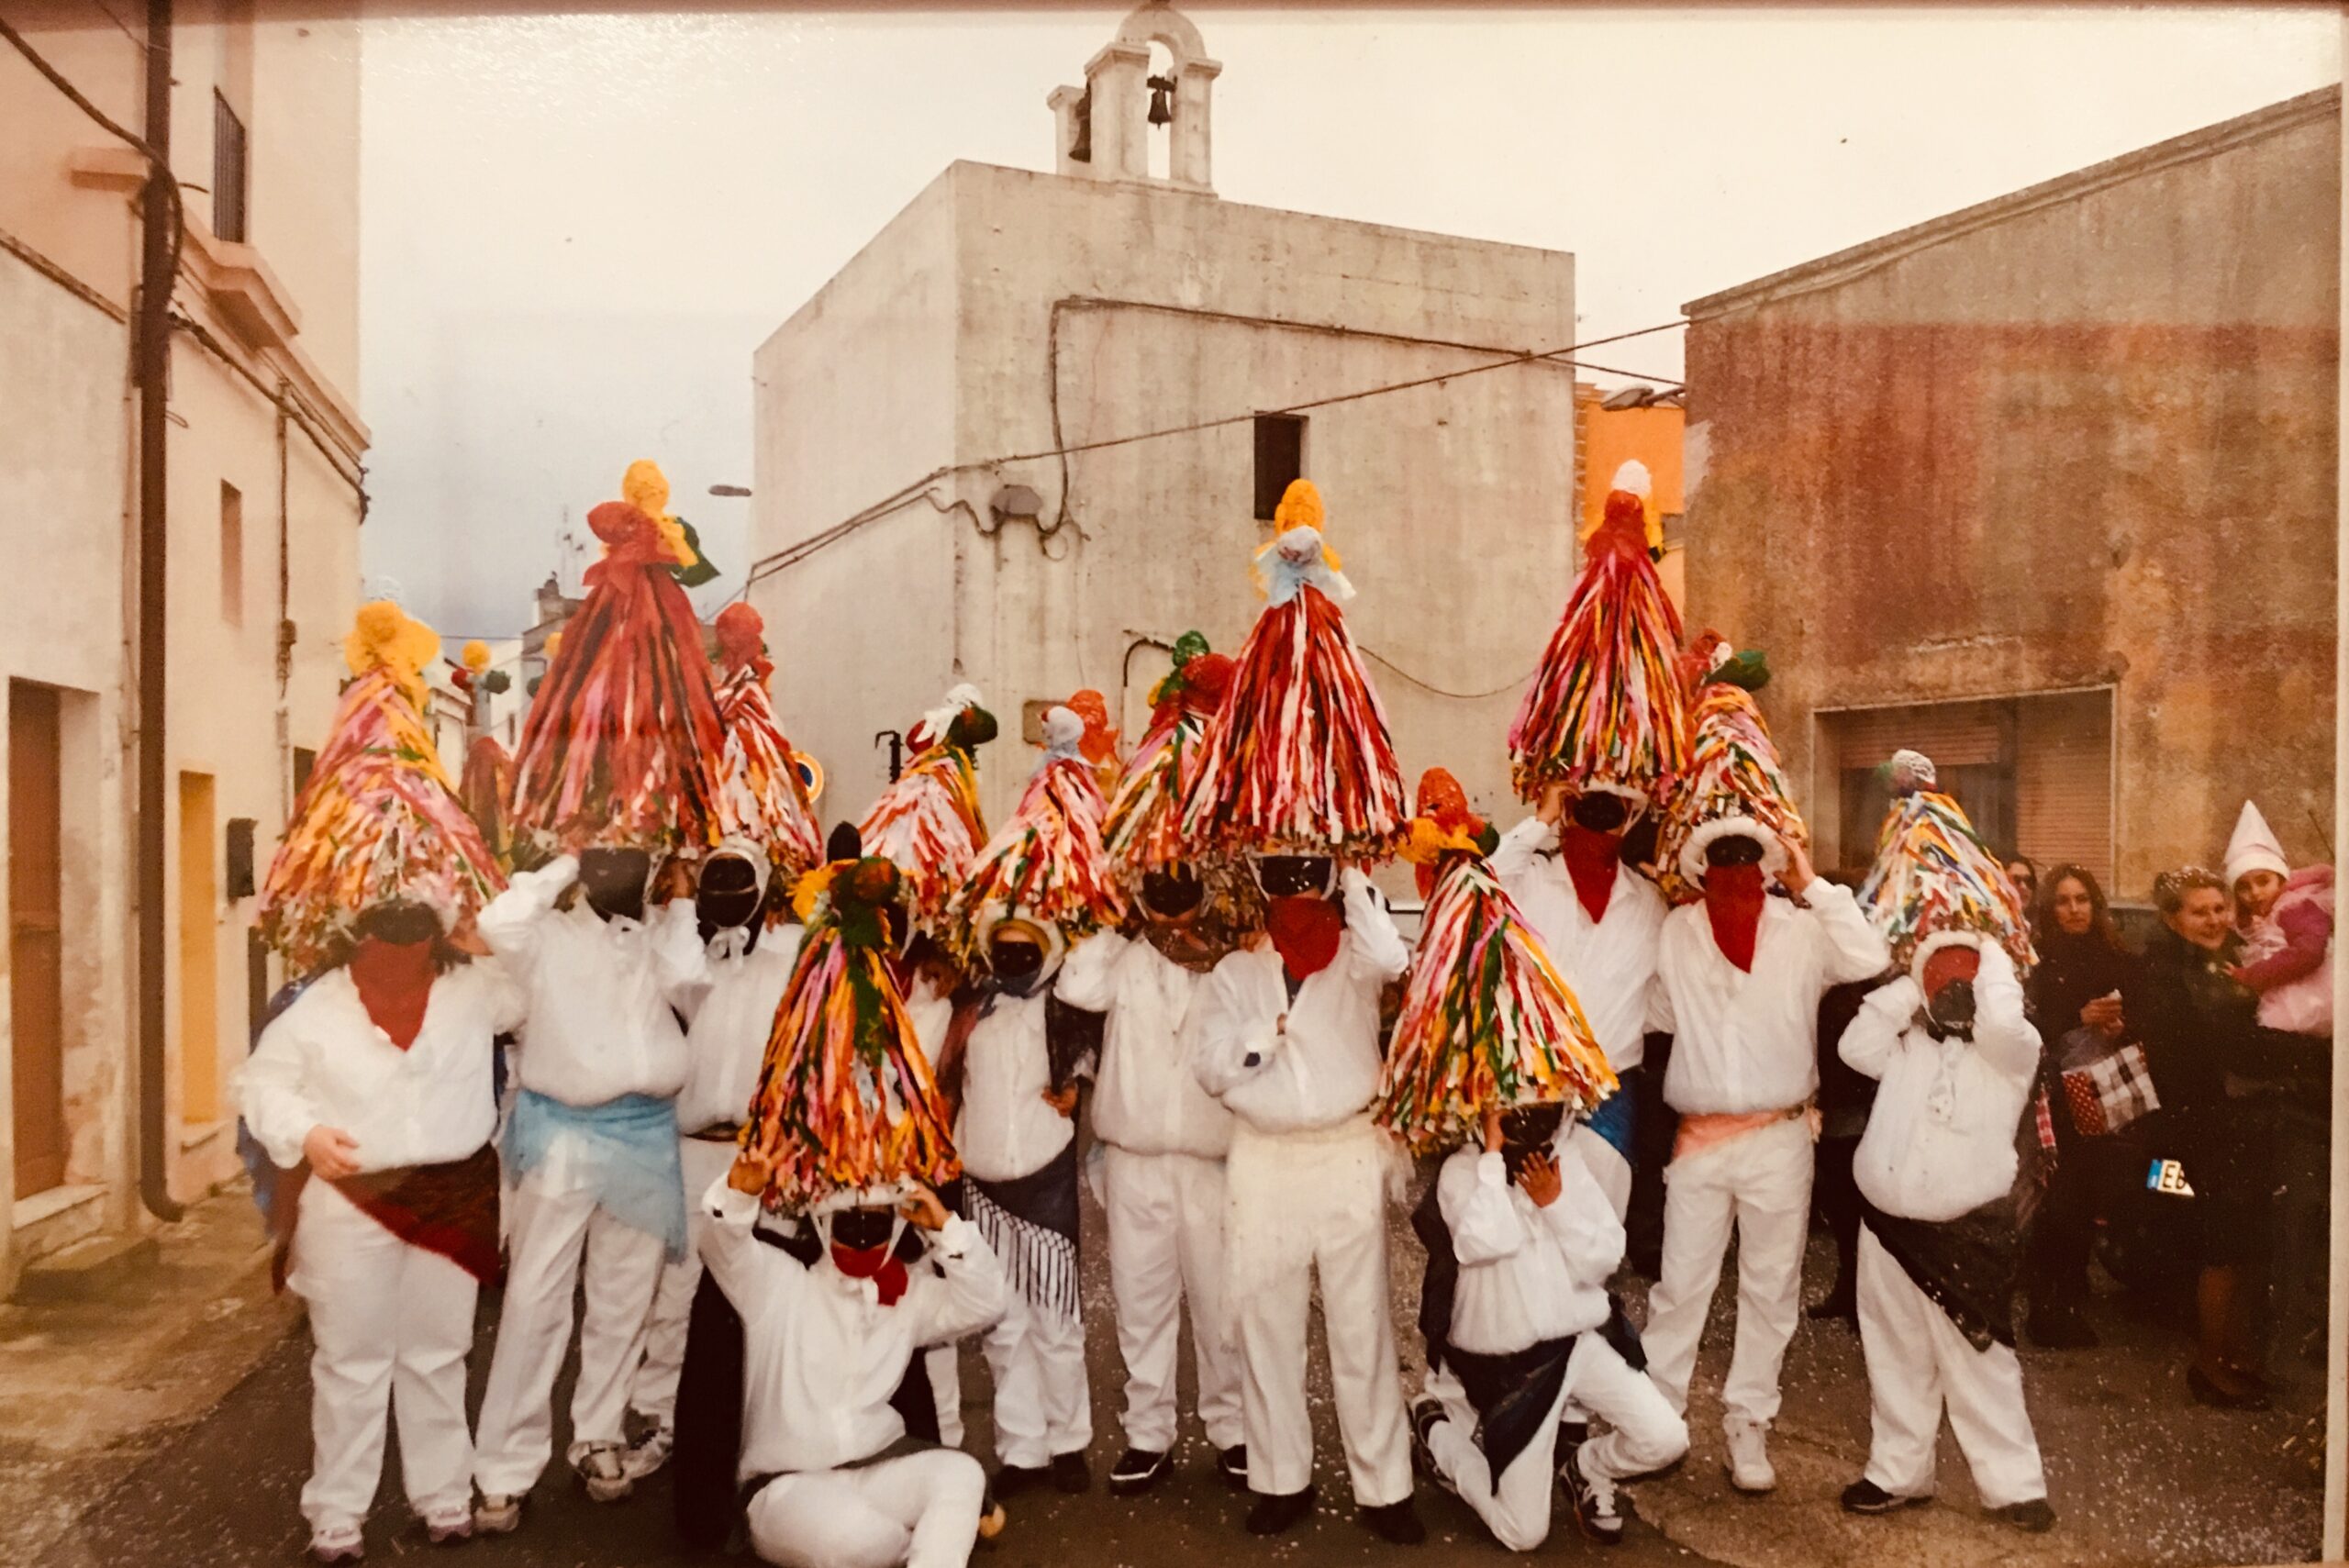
[1007, 312]
[264, 448]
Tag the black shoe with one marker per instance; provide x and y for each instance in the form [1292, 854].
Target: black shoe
[1275, 1513]
[1836, 1303]
[1070, 1474]
[1010, 1480]
[2206, 1391]
[1864, 1496]
[1232, 1465]
[1426, 1417]
[2054, 1327]
[1395, 1523]
[2034, 1516]
[1136, 1472]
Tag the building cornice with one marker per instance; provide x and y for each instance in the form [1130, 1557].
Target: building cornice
[1842, 266]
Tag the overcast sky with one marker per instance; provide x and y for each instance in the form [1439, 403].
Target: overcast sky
[575, 230]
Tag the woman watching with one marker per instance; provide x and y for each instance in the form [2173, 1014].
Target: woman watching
[2202, 1042]
[2076, 996]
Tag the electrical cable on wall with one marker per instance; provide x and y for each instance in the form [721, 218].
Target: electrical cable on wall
[792, 555]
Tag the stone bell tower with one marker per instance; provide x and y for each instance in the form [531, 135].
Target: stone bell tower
[1103, 128]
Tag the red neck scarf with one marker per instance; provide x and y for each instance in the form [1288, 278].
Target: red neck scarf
[394, 982]
[1304, 929]
[1591, 858]
[1734, 897]
[878, 1264]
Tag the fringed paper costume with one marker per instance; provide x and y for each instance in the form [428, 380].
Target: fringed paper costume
[927, 823]
[486, 786]
[621, 745]
[1300, 758]
[758, 777]
[1933, 873]
[1047, 862]
[1486, 1021]
[378, 819]
[847, 1107]
[1606, 708]
[1734, 783]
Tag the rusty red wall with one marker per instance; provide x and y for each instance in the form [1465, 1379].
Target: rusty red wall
[2091, 442]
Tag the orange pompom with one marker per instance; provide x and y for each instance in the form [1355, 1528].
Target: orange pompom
[742, 635]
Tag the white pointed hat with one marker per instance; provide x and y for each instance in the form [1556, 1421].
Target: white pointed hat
[2253, 847]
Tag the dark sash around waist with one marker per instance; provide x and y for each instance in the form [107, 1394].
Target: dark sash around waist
[450, 1209]
[1029, 1223]
[1965, 1266]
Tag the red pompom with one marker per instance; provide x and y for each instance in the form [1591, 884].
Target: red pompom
[742, 635]
[1205, 679]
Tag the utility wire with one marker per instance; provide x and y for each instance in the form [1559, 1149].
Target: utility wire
[799, 549]
[157, 166]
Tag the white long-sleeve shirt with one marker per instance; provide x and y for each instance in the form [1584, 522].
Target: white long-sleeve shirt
[1610, 964]
[1148, 1101]
[599, 1023]
[1526, 1273]
[727, 1039]
[323, 1062]
[1749, 1041]
[1008, 1129]
[1322, 1068]
[1941, 1137]
[820, 1355]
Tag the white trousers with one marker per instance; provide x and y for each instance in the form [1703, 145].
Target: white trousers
[1043, 1406]
[1760, 1182]
[391, 1326]
[555, 1237]
[1606, 1167]
[1917, 1363]
[919, 1510]
[1166, 1245]
[1644, 1434]
[652, 1392]
[944, 1365]
[1299, 1204]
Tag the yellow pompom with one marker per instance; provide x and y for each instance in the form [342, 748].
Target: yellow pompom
[646, 488]
[555, 644]
[476, 655]
[811, 887]
[385, 638]
[1301, 507]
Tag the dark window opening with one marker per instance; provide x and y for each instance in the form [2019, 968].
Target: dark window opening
[227, 171]
[1280, 459]
[1081, 144]
[304, 761]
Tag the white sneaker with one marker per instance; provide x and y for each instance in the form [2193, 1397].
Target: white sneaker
[1749, 1454]
[602, 1472]
[338, 1544]
[648, 1453]
[500, 1513]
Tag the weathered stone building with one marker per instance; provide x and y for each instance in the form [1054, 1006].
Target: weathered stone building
[1006, 312]
[2046, 487]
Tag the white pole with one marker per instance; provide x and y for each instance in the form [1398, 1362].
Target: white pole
[2336, 1368]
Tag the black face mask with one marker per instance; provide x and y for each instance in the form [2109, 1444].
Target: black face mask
[1526, 1132]
[727, 896]
[1171, 895]
[1950, 1010]
[862, 1229]
[1737, 850]
[1016, 966]
[399, 923]
[613, 880]
[1601, 812]
[1292, 876]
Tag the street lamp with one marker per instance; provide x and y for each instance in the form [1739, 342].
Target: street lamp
[733, 491]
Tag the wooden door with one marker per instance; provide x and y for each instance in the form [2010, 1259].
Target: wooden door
[36, 953]
[199, 955]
